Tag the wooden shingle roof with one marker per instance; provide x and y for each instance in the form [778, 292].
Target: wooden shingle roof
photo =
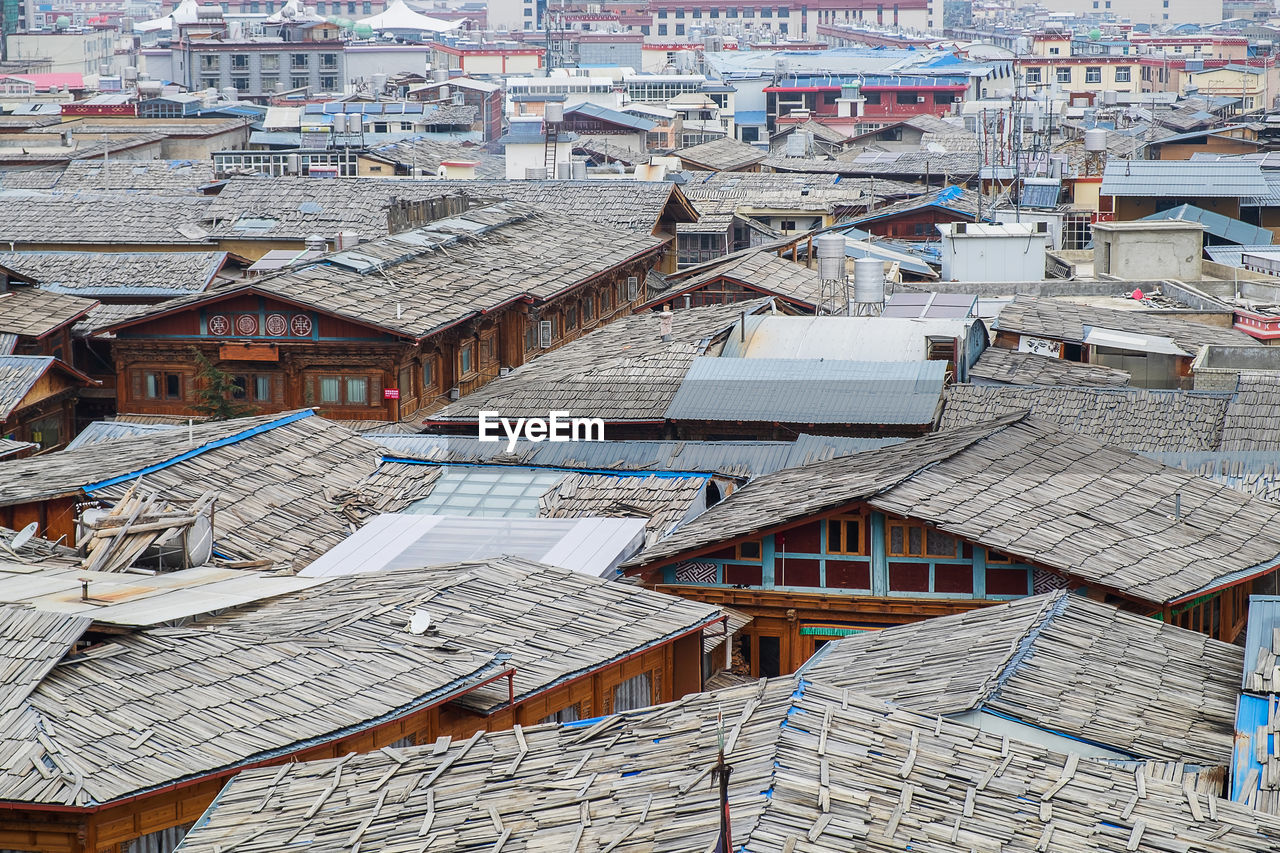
[815, 769]
[296, 207]
[761, 270]
[276, 477]
[1133, 418]
[54, 218]
[553, 624]
[170, 704]
[32, 312]
[1059, 662]
[722, 155]
[1022, 486]
[118, 274]
[420, 281]
[1066, 321]
[624, 371]
[1010, 367]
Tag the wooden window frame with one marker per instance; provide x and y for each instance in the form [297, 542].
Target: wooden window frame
[1002, 560]
[925, 553]
[430, 374]
[251, 384]
[463, 372]
[343, 379]
[737, 551]
[162, 385]
[864, 549]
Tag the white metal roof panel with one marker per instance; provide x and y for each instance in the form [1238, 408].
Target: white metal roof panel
[593, 546]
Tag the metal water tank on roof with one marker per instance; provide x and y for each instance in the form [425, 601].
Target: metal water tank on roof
[830, 249]
[553, 113]
[868, 281]
[1095, 140]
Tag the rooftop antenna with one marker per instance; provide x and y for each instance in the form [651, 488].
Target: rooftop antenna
[23, 536]
[721, 773]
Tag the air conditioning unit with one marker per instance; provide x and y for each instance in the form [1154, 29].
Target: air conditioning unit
[959, 228]
[919, 99]
[633, 288]
[454, 393]
[1042, 227]
[544, 334]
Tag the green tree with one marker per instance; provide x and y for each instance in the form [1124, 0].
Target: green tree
[216, 390]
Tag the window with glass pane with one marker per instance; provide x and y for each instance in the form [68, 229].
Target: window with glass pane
[357, 391]
[262, 387]
[939, 544]
[564, 715]
[633, 693]
[330, 389]
[241, 384]
[153, 385]
[467, 359]
[173, 386]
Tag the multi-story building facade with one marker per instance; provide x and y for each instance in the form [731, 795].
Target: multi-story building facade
[260, 66]
[1078, 74]
[80, 51]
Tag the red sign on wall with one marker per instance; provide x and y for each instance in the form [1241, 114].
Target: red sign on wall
[391, 393]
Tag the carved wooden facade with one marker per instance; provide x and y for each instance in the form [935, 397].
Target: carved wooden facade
[287, 356]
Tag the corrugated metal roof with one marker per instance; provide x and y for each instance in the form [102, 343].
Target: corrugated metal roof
[798, 390]
[100, 431]
[1189, 178]
[742, 459]
[1223, 227]
[1230, 255]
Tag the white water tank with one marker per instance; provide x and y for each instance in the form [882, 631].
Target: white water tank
[315, 243]
[830, 249]
[868, 281]
[579, 170]
[553, 113]
[1110, 97]
[1095, 140]
[564, 171]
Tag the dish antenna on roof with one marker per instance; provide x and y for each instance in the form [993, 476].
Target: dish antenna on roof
[23, 536]
[419, 622]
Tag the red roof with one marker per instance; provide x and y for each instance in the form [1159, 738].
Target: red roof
[43, 82]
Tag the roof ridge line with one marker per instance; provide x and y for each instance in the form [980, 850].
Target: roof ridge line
[992, 427]
[284, 420]
[1020, 650]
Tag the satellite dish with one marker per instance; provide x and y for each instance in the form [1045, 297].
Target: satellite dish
[419, 622]
[23, 536]
[935, 148]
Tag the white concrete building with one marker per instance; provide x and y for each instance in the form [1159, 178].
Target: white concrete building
[979, 252]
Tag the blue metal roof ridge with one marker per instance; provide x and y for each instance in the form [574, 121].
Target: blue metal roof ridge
[204, 448]
[668, 474]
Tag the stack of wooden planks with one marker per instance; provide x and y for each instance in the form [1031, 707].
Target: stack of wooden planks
[138, 521]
